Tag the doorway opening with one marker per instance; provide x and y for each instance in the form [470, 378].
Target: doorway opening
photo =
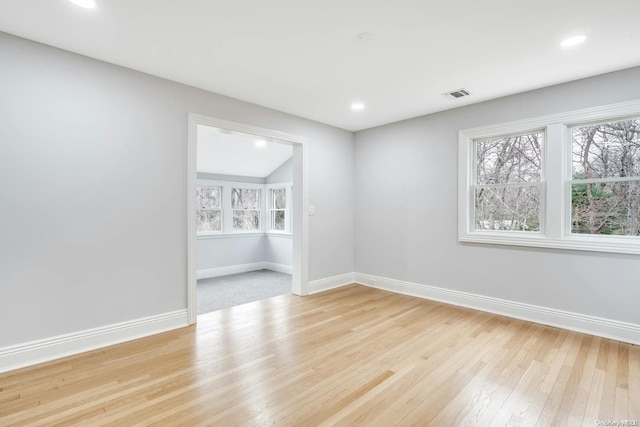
[243, 225]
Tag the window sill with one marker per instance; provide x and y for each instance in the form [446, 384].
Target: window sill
[228, 235]
[621, 244]
[240, 234]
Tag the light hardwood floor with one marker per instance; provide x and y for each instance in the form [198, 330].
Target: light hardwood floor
[353, 356]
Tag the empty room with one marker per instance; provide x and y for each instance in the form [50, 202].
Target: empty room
[243, 228]
[458, 209]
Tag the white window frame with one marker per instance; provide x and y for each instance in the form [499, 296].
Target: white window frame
[571, 181]
[265, 209]
[539, 184]
[221, 209]
[556, 189]
[288, 187]
[227, 211]
[248, 186]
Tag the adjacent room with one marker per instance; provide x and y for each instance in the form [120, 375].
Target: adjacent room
[244, 232]
[430, 212]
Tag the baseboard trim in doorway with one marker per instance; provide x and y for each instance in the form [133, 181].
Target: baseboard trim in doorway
[232, 269]
[607, 328]
[48, 349]
[208, 273]
[280, 268]
[332, 282]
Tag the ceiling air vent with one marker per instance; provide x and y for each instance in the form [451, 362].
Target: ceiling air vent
[454, 94]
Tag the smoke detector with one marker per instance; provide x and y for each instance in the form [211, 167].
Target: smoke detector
[363, 37]
[455, 94]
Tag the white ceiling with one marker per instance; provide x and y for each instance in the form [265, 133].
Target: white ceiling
[228, 153]
[303, 57]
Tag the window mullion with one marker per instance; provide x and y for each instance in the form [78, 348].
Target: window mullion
[554, 179]
[227, 212]
[606, 180]
[589, 165]
[288, 210]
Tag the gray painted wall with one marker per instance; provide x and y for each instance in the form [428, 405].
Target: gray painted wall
[229, 251]
[93, 197]
[284, 173]
[406, 211]
[93, 164]
[278, 249]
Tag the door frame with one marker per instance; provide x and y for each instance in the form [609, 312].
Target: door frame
[300, 219]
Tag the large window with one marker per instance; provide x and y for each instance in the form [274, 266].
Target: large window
[245, 203]
[605, 185]
[278, 209]
[242, 208]
[570, 180]
[209, 206]
[507, 187]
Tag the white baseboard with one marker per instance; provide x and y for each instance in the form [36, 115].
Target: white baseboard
[327, 283]
[242, 268]
[607, 328]
[45, 350]
[232, 269]
[31, 353]
[280, 268]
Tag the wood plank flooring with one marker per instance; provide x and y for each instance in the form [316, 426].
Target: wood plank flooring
[353, 356]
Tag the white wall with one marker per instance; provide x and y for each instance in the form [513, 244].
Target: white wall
[406, 211]
[93, 165]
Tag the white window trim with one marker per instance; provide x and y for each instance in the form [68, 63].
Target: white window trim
[221, 209]
[249, 186]
[229, 235]
[288, 186]
[227, 211]
[556, 183]
[539, 184]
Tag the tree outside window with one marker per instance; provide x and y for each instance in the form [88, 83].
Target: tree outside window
[507, 188]
[209, 211]
[245, 204]
[278, 209]
[605, 186]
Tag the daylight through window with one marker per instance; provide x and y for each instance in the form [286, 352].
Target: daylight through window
[507, 182]
[208, 204]
[605, 186]
[245, 203]
[569, 180]
[278, 209]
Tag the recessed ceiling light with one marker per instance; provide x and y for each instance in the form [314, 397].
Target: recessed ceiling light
[572, 41]
[261, 143]
[357, 106]
[87, 4]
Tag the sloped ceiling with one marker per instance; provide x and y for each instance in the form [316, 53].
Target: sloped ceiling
[228, 153]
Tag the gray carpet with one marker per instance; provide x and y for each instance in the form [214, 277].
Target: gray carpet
[221, 292]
